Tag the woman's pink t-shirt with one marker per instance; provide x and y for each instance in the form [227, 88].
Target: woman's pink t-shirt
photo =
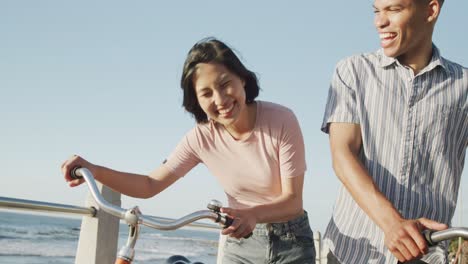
[249, 170]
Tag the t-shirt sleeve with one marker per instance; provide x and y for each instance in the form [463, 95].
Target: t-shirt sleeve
[341, 103]
[184, 157]
[291, 148]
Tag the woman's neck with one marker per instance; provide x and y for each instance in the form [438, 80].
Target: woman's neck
[245, 123]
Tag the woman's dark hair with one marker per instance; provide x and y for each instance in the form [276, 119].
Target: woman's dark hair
[211, 50]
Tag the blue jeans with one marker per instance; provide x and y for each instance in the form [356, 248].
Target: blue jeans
[289, 242]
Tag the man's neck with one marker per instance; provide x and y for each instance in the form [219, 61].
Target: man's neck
[419, 60]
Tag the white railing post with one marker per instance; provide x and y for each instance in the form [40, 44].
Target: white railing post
[99, 235]
[318, 248]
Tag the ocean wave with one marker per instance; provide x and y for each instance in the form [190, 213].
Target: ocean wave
[39, 233]
[15, 230]
[24, 238]
[21, 255]
[198, 242]
[7, 237]
[44, 248]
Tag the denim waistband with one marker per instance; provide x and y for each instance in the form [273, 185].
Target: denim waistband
[284, 227]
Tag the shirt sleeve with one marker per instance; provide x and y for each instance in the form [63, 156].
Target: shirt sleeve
[184, 157]
[341, 103]
[291, 148]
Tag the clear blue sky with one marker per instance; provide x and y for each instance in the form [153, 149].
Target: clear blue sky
[101, 79]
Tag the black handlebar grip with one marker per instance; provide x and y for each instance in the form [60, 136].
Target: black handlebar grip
[74, 175]
[228, 223]
[248, 235]
[427, 236]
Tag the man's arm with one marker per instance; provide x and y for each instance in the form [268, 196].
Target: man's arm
[402, 237]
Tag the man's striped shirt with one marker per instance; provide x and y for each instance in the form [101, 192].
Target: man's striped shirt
[414, 138]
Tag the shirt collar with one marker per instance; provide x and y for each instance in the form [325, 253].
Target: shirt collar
[384, 60]
[435, 61]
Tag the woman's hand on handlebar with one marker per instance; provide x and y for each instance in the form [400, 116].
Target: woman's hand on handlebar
[73, 162]
[243, 224]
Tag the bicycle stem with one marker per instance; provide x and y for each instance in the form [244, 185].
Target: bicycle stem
[127, 252]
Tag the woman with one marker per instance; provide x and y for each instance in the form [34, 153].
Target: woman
[254, 148]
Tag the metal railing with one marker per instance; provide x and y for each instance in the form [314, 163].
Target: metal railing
[38, 206]
[99, 230]
[30, 205]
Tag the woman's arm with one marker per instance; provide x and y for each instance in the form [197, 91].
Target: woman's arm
[135, 185]
[285, 207]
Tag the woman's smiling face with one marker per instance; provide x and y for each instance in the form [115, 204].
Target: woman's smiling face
[220, 93]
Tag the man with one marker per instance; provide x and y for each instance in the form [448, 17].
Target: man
[398, 128]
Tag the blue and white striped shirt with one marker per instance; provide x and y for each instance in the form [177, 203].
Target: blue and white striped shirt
[414, 138]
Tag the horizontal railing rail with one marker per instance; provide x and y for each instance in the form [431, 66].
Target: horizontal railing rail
[32, 205]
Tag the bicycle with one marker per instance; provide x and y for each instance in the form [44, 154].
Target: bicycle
[433, 237]
[134, 218]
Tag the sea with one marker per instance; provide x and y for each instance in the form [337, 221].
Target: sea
[45, 239]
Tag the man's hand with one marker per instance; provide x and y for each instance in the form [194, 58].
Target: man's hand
[405, 240]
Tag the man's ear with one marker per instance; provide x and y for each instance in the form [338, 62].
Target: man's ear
[433, 10]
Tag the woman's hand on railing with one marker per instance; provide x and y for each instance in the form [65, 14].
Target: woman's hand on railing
[72, 163]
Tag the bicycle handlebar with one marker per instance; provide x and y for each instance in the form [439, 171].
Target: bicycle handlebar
[434, 237]
[133, 216]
